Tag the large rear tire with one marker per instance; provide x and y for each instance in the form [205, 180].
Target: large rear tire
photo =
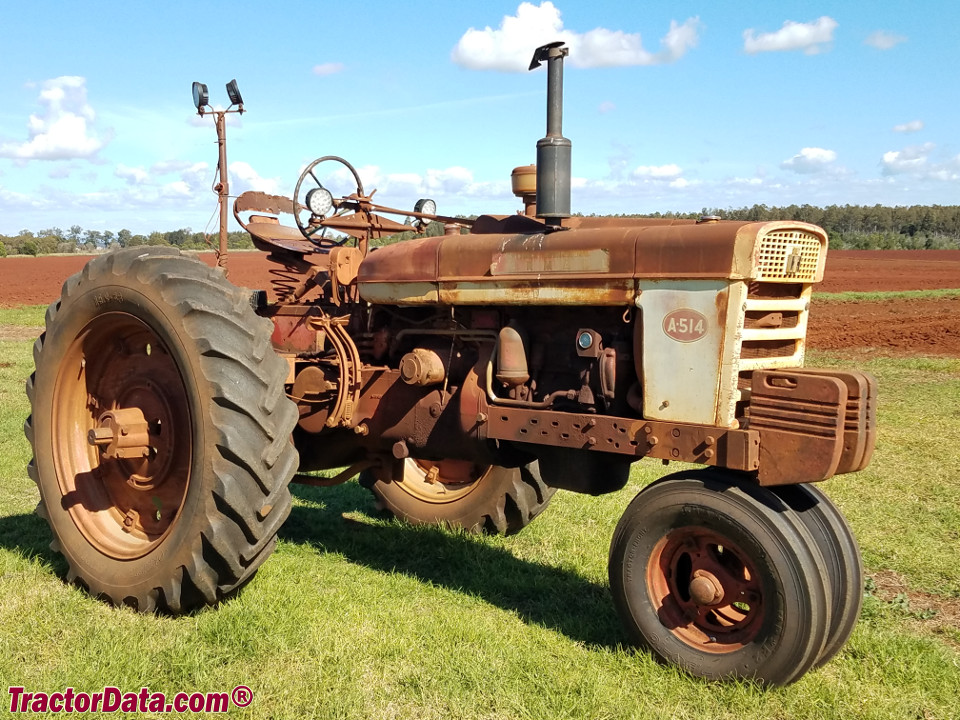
[461, 494]
[160, 431]
[718, 576]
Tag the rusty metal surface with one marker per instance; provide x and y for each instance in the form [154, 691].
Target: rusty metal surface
[122, 433]
[860, 423]
[800, 417]
[122, 389]
[254, 201]
[869, 402]
[706, 590]
[293, 334]
[736, 449]
[596, 264]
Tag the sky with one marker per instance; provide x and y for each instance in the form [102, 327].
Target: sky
[669, 106]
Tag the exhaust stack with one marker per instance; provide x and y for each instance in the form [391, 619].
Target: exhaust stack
[553, 151]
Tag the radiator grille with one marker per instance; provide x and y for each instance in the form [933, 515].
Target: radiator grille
[789, 255]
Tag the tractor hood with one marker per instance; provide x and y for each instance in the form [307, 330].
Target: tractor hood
[590, 262]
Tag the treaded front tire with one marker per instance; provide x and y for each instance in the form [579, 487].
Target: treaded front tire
[720, 577]
[191, 511]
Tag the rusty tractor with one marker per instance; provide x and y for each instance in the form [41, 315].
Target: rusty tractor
[465, 377]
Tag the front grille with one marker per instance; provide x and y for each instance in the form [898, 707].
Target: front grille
[762, 319]
[792, 255]
[765, 349]
[774, 325]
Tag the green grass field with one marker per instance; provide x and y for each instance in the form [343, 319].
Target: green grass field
[359, 617]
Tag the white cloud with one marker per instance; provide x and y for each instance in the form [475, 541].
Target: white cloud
[330, 68]
[883, 40]
[176, 189]
[510, 47]
[61, 130]
[243, 177]
[810, 160]
[657, 171]
[809, 37]
[62, 170]
[133, 175]
[911, 159]
[909, 127]
[606, 107]
[169, 166]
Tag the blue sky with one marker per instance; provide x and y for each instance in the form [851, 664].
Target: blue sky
[669, 106]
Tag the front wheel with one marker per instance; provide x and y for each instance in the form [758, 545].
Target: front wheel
[160, 431]
[458, 493]
[719, 577]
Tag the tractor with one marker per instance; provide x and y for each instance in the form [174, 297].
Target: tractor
[465, 377]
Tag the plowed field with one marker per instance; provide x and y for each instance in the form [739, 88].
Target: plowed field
[930, 327]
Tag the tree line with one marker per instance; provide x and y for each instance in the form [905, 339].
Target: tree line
[77, 240]
[861, 227]
[851, 227]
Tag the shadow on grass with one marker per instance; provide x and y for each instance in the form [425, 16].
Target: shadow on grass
[540, 594]
[29, 535]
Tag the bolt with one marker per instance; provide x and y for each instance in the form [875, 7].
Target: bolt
[481, 418]
[708, 454]
[400, 450]
[435, 410]
[676, 432]
[711, 440]
[591, 441]
[362, 429]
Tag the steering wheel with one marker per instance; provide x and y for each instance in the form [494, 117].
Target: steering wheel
[319, 201]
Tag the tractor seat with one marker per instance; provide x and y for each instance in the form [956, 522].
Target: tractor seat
[267, 232]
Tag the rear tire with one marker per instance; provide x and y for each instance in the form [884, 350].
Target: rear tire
[716, 575]
[491, 499]
[193, 510]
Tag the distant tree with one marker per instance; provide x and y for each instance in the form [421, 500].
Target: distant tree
[123, 238]
[91, 240]
[74, 234]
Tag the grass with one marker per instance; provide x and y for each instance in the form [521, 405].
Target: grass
[885, 296]
[356, 616]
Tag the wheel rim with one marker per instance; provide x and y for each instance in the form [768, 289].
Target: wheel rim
[443, 481]
[118, 367]
[705, 590]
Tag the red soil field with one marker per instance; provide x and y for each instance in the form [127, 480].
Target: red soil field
[922, 327]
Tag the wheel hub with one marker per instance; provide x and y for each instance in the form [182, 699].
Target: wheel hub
[122, 433]
[705, 589]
